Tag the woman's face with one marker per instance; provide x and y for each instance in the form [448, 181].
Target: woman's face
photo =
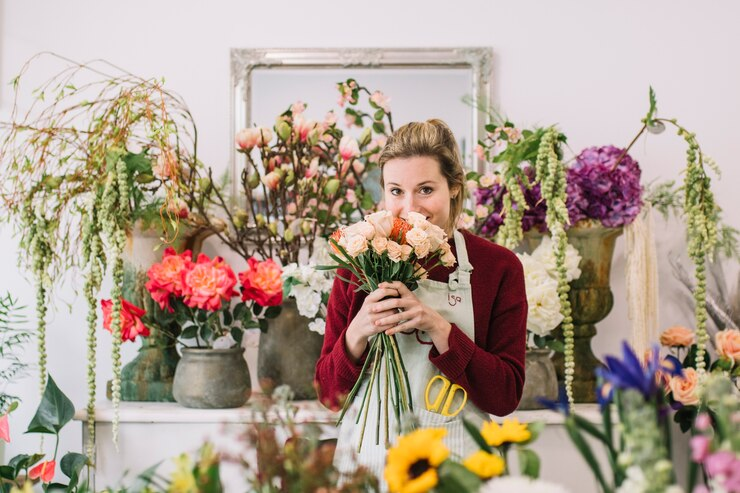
[417, 184]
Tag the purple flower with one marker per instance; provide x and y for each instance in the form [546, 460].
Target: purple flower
[595, 191]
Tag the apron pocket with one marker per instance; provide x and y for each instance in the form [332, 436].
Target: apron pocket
[457, 439]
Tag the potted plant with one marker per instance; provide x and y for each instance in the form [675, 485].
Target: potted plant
[98, 152]
[198, 296]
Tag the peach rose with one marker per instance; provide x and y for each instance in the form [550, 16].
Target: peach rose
[394, 251]
[728, 344]
[356, 244]
[419, 240]
[362, 228]
[684, 388]
[382, 221]
[447, 258]
[677, 336]
[379, 244]
[208, 284]
[406, 251]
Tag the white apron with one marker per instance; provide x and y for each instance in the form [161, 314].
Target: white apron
[454, 301]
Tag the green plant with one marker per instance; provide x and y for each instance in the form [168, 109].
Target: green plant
[12, 337]
[98, 150]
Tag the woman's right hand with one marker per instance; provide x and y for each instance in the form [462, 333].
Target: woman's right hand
[363, 325]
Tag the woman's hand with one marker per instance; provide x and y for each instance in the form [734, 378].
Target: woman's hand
[413, 314]
[365, 325]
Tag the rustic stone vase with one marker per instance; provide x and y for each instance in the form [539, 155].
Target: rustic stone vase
[288, 352]
[541, 381]
[212, 378]
[149, 376]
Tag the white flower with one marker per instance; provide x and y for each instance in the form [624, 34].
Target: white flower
[635, 482]
[520, 484]
[487, 180]
[307, 300]
[382, 221]
[545, 253]
[321, 253]
[543, 314]
[465, 221]
[318, 326]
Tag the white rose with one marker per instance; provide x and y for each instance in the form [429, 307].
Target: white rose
[318, 326]
[382, 221]
[356, 244]
[363, 228]
[544, 307]
[545, 253]
[379, 244]
[394, 251]
[535, 272]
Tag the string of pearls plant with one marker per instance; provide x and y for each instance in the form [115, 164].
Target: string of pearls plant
[551, 175]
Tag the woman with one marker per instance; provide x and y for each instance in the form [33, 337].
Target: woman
[467, 322]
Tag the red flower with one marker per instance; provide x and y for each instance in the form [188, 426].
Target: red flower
[208, 283]
[165, 278]
[44, 470]
[262, 283]
[131, 324]
[400, 228]
[4, 428]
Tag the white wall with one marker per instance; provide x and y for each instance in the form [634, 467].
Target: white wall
[583, 65]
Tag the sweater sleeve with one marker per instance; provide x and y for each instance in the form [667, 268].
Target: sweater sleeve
[336, 372]
[491, 369]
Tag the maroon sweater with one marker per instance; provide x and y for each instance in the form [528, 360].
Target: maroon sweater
[490, 369]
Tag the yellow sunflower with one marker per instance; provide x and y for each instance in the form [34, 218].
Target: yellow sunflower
[511, 431]
[484, 465]
[411, 465]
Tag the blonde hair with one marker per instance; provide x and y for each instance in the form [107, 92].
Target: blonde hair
[434, 139]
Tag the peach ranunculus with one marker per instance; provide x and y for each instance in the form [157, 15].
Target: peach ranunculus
[382, 221]
[165, 278]
[44, 471]
[262, 283]
[677, 336]
[208, 283]
[131, 324]
[728, 344]
[684, 387]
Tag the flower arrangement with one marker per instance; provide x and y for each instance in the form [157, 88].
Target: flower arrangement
[421, 462]
[99, 150]
[310, 288]
[544, 312]
[302, 178]
[383, 248]
[198, 295]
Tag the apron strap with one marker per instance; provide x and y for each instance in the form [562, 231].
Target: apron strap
[461, 276]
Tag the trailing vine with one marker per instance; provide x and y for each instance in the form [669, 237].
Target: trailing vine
[551, 175]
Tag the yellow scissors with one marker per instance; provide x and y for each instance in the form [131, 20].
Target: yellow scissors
[441, 405]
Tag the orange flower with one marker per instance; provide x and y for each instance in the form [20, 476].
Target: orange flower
[262, 283]
[165, 278]
[728, 344]
[400, 228]
[44, 470]
[677, 336]
[208, 283]
[337, 237]
[684, 387]
[131, 324]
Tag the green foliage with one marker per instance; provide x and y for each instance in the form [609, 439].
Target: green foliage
[54, 411]
[12, 338]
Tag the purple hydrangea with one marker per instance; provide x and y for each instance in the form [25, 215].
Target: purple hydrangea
[595, 191]
[534, 216]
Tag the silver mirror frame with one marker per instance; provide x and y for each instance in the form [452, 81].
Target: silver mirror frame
[245, 60]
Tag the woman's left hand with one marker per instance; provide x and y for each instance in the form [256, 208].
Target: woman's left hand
[413, 315]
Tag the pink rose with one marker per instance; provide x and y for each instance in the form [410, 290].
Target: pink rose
[262, 283]
[677, 336]
[728, 344]
[208, 284]
[165, 278]
[131, 324]
[684, 387]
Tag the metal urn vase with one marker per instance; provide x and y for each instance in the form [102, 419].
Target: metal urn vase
[212, 378]
[288, 352]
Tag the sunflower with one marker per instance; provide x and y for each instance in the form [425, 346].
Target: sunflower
[484, 465]
[511, 431]
[411, 465]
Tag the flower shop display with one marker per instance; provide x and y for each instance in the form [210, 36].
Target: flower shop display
[543, 317]
[198, 295]
[99, 151]
[383, 248]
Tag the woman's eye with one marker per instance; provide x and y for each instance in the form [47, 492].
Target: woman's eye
[395, 191]
[426, 190]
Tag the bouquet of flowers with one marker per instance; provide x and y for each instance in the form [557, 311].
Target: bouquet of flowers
[198, 296]
[310, 288]
[383, 248]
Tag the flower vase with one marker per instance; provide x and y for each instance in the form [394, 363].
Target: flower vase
[541, 380]
[149, 376]
[288, 353]
[212, 378]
